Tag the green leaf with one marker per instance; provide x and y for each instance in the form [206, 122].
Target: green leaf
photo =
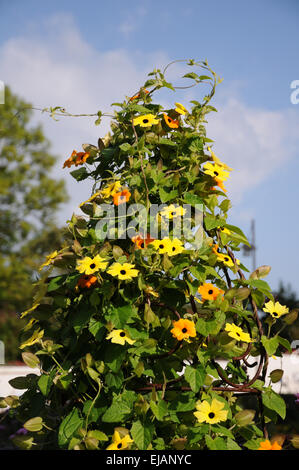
[120, 316]
[44, 383]
[212, 221]
[114, 356]
[276, 375]
[114, 380]
[126, 148]
[80, 174]
[285, 343]
[55, 283]
[195, 377]
[232, 445]
[19, 383]
[166, 196]
[193, 199]
[274, 402]
[99, 435]
[71, 423]
[215, 444]
[183, 402]
[142, 434]
[159, 409]
[121, 407]
[270, 344]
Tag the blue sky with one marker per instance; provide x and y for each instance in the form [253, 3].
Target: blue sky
[85, 55]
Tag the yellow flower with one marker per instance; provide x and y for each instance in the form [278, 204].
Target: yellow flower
[151, 291]
[227, 260]
[183, 329]
[275, 309]
[210, 413]
[176, 247]
[123, 271]
[145, 120]
[110, 190]
[49, 260]
[224, 230]
[237, 333]
[267, 445]
[180, 109]
[163, 246]
[35, 338]
[119, 337]
[216, 171]
[172, 211]
[119, 443]
[89, 265]
[219, 162]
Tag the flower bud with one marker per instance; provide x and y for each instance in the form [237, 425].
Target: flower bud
[276, 375]
[260, 272]
[291, 317]
[244, 417]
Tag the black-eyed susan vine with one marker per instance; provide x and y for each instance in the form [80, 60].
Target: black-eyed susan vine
[128, 330]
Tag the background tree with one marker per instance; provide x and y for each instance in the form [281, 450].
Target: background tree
[29, 198]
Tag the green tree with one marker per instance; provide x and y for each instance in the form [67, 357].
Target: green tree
[29, 199]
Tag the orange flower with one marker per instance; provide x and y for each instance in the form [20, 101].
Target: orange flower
[209, 292]
[215, 248]
[77, 158]
[137, 96]
[220, 185]
[87, 281]
[81, 158]
[267, 445]
[183, 329]
[121, 197]
[142, 242]
[173, 123]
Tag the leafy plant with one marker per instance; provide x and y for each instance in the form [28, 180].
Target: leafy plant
[128, 335]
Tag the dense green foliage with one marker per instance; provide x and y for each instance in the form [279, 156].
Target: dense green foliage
[132, 355]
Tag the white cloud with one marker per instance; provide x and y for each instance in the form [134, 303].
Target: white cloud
[60, 68]
[255, 142]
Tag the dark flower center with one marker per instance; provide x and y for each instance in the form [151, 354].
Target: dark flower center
[173, 248]
[92, 266]
[145, 121]
[210, 292]
[122, 334]
[275, 314]
[216, 173]
[172, 213]
[184, 330]
[142, 245]
[161, 246]
[226, 258]
[123, 271]
[211, 415]
[119, 446]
